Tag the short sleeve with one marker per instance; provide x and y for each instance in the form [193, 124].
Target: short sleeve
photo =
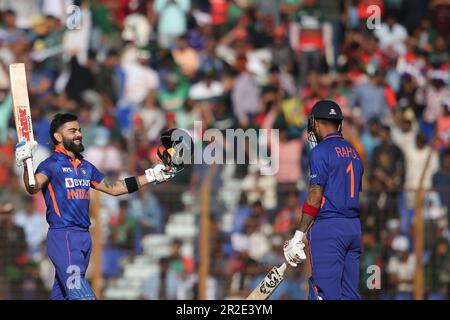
[44, 168]
[96, 176]
[317, 168]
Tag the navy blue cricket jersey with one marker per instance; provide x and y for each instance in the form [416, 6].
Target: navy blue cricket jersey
[337, 167]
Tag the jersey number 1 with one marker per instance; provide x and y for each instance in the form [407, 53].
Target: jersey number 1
[352, 179]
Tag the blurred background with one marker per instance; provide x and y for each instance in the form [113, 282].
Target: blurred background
[132, 68]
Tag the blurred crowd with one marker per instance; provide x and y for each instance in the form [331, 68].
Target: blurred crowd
[132, 68]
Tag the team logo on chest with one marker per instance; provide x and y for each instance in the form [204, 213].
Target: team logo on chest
[83, 171]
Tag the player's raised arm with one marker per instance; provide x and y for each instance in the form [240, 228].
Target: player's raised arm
[41, 181]
[157, 174]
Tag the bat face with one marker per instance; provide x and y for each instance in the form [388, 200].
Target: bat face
[21, 103]
[268, 285]
[22, 113]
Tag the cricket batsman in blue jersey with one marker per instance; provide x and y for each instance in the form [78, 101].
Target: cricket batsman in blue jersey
[331, 210]
[65, 179]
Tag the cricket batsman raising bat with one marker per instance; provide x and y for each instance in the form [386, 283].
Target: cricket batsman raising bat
[65, 179]
[332, 205]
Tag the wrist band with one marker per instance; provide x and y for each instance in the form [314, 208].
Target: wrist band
[132, 184]
[309, 209]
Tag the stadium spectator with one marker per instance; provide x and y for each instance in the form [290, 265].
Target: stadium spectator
[161, 285]
[401, 269]
[34, 226]
[415, 161]
[245, 94]
[289, 172]
[386, 176]
[441, 180]
[285, 219]
[370, 138]
[308, 37]
[178, 262]
[437, 272]
[370, 99]
[443, 126]
[172, 20]
[392, 36]
[13, 254]
[186, 57]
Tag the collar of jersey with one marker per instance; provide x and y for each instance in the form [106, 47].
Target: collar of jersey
[60, 150]
[334, 135]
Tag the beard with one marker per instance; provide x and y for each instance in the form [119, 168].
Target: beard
[72, 145]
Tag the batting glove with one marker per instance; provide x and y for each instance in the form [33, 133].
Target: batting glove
[293, 250]
[24, 151]
[157, 174]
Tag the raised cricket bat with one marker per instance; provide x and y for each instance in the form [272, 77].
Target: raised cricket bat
[268, 285]
[22, 113]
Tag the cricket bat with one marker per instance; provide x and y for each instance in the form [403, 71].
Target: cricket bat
[22, 113]
[268, 285]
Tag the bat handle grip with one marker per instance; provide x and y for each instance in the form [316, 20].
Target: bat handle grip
[31, 180]
[282, 268]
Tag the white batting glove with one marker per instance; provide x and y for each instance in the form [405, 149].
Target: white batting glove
[157, 174]
[293, 250]
[24, 151]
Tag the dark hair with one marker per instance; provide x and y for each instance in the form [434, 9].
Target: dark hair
[386, 128]
[112, 53]
[373, 121]
[58, 120]
[257, 203]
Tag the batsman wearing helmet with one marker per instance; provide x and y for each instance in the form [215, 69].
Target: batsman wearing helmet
[65, 179]
[331, 207]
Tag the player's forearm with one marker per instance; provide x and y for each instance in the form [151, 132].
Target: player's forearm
[121, 187]
[311, 207]
[117, 187]
[305, 222]
[157, 174]
[30, 190]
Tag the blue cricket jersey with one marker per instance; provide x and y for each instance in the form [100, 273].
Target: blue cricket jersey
[337, 167]
[67, 194]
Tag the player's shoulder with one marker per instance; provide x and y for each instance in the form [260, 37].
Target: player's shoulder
[319, 151]
[50, 161]
[87, 163]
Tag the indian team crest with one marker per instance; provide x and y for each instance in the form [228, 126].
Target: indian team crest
[83, 171]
